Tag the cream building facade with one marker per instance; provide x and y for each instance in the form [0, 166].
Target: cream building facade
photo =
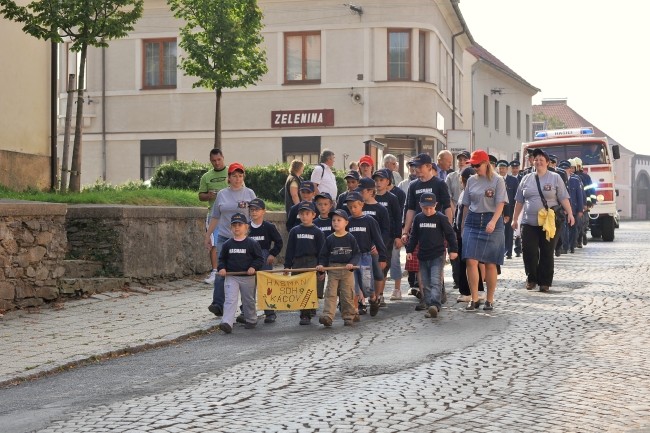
[24, 109]
[384, 77]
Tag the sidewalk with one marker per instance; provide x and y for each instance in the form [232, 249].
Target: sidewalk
[35, 343]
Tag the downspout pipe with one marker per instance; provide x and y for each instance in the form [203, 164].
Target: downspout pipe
[104, 114]
[53, 115]
[453, 77]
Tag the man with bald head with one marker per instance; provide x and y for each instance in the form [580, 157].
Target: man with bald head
[445, 162]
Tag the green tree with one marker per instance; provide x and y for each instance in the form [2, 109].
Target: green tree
[222, 41]
[551, 122]
[83, 22]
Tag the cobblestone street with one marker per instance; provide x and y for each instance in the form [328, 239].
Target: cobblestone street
[572, 360]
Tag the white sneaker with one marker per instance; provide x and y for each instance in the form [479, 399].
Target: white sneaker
[396, 295]
[211, 277]
[464, 298]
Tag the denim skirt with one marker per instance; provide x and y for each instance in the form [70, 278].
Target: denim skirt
[480, 245]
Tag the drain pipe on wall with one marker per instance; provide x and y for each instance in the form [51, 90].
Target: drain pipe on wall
[53, 115]
[453, 77]
[104, 114]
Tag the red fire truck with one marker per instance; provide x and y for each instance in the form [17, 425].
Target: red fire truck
[597, 157]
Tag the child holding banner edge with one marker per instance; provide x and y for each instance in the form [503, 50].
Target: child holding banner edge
[239, 254]
[340, 250]
[303, 246]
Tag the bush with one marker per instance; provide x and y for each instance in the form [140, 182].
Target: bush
[179, 175]
[266, 181]
[102, 186]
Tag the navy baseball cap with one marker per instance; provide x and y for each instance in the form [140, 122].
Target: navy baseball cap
[323, 195]
[422, 158]
[564, 164]
[381, 173]
[492, 159]
[467, 172]
[352, 174]
[238, 218]
[539, 151]
[366, 183]
[258, 203]
[339, 212]
[502, 163]
[428, 199]
[514, 163]
[552, 157]
[353, 196]
[307, 185]
[306, 205]
[464, 154]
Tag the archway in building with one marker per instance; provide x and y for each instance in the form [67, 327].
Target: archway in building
[642, 203]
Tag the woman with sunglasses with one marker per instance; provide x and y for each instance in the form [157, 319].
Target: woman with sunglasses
[483, 237]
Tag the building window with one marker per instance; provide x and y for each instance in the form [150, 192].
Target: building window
[527, 127]
[159, 69]
[399, 54]
[422, 50]
[153, 153]
[496, 115]
[302, 57]
[486, 108]
[305, 149]
[508, 119]
[518, 123]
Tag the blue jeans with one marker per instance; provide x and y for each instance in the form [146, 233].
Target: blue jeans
[395, 265]
[363, 281]
[430, 271]
[219, 293]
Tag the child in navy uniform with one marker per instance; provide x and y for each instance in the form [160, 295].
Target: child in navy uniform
[366, 231]
[429, 231]
[239, 254]
[266, 234]
[303, 247]
[307, 192]
[340, 250]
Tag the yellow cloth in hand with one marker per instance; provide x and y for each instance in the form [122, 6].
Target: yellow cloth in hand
[546, 219]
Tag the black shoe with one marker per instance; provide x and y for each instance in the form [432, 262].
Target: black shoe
[473, 306]
[374, 307]
[518, 255]
[249, 325]
[489, 306]
[216, 310]
[573, 250]
[544, 288]
[240, 319]
[579, 246]
[557, 253]
[225, 327]
[305, 320]
[421, 306]
[362, 308]
[509, 257]
[270, 318]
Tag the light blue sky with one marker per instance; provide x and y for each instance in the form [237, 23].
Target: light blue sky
[593, 52]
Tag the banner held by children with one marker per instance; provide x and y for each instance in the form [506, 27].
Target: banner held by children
[280, 292]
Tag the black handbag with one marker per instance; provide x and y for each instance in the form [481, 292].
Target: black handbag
[560, 216]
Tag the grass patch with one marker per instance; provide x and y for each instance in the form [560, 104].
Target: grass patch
[131, 193]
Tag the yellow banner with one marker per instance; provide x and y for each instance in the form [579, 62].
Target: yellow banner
[276, 291]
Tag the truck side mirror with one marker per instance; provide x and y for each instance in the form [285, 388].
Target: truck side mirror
[616, 152]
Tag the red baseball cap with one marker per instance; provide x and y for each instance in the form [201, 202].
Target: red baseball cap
[478, 156]
[366, 159]
[235, 166]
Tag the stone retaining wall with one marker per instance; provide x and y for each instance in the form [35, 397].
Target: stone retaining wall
[32, 249]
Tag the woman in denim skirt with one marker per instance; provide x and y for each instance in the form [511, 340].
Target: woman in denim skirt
[483, 236]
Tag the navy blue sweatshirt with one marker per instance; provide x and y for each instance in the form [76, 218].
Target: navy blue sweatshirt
[434, 185]
[238, 256]
[391, 203]
[303, 241]
[366, 231]
[430, 233]
[324, 224]
[380, 214]
[267, 234]
[339, 250]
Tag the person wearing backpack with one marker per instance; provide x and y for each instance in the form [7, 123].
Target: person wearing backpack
[323, 176]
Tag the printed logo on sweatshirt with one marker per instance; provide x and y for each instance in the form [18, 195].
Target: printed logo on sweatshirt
[237, 251]
[423, 190]
[257, 238]
[304, 236]
[369, 212]
[357, 229]
[428, 225]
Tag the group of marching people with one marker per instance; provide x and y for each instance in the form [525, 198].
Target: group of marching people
[469, 215]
